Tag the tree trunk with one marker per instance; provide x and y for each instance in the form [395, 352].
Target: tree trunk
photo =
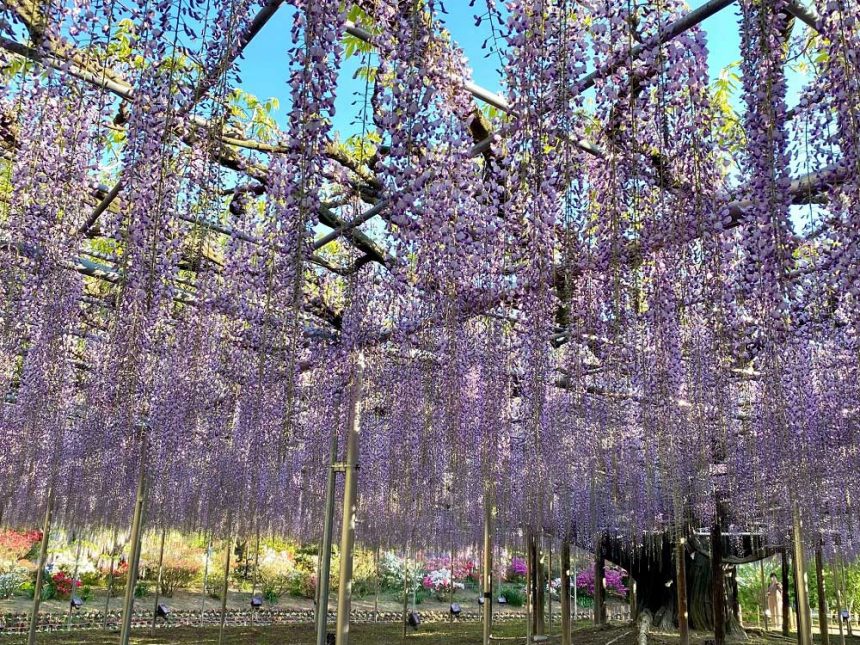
[719, 589]
[652, 566]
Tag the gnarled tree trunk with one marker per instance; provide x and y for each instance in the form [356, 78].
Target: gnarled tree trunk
[652, 565]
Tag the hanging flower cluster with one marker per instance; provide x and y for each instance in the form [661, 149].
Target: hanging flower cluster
[574, 315]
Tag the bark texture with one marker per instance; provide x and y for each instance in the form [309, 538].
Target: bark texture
[652, 565]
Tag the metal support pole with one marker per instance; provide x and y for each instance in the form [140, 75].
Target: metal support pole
[405, 594]
[681, 590]
[224, 587]
[599, 587]
[256, 569]
[804, 619]
[538, 578]
[823, 626]
[564, 591]
[376, 578]
[350, 497]
[786, 602]
[634, 603]
[158, 584]
[845, 591]
[324, 567]
[529, 590]
[74, 580]
[110, 580]
[764, 604]
[134, 542]
[838, 587]
[40, 572]
[205, 577]
[549, 584]
[453, 558]
[487, 569]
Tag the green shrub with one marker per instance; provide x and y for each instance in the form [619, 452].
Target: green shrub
[92, 579]
[48, 591]
[515, 596]
[141, 590]
[176, 574]
[214, 585]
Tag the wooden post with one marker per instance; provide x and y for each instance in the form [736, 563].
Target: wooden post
[719, 582]
[736, 606]
[134, 543]
[350, 500]
[158, 583]
[823, 623]
[40, 572]
[564, 592]
[681, 589]
[599, 587]
[786, 601]
[764, 604]
[226, 582]
[804, 618]
[487, 568]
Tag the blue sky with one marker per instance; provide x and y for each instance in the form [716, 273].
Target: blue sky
[264, 68]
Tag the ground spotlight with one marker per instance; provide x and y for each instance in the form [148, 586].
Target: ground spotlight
[413, 619]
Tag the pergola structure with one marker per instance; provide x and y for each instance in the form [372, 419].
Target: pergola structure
[563, 288]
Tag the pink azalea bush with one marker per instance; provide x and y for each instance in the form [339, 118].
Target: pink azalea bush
[517, 569]
[465, 568]
[614, 581]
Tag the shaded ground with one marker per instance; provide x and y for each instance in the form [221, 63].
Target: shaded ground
[438, 634]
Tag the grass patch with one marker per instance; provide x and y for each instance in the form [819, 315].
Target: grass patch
[431, 634]
[385, 634]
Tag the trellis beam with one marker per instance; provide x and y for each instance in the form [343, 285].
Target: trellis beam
[206, 83]
[123, 90]
[109, 274]
[670, 31]
[804, 14]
